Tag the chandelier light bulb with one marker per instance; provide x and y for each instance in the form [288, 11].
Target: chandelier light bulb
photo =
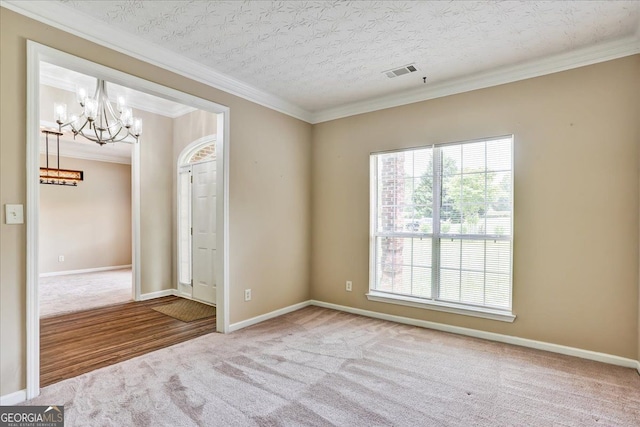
[122, 103]
[60, 112]
[91, 108]
[126, 117]
[137, 126]
[81, 95]
[75, 122]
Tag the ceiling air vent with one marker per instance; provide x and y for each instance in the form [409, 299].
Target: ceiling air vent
[400, 71]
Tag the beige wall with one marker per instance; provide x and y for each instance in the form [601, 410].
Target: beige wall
[576, 200]
[156, 237]
[270, 213]
[269, 192]
[191, 127]
[89, 224]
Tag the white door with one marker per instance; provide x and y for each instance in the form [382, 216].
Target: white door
[204, 231]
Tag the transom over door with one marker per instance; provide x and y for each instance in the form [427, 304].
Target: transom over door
[204, 231]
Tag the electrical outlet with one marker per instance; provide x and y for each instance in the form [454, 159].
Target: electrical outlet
[247, 294]
[349, 286]
[61, 258]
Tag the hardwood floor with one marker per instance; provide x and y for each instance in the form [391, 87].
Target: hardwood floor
[76, 343]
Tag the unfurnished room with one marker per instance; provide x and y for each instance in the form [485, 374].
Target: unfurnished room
[320, 213]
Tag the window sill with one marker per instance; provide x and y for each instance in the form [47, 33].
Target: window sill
[485, 313]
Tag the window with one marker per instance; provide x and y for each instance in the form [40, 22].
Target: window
[441, 227]
[208, 152]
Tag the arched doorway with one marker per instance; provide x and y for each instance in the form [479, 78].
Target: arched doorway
[196, 220]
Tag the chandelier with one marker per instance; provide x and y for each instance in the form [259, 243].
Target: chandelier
[98, 121]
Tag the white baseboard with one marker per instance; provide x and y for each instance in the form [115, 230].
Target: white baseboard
[13, 398]
[249, 322]
[159, 294]
[508, 339]
[86, 270]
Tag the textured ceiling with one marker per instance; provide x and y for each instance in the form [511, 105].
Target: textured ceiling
[324, 54]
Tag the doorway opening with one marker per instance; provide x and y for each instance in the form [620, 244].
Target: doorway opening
[141, 255]
[85, 229]
[196, 196]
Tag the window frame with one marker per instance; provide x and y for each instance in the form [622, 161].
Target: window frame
[435, 303]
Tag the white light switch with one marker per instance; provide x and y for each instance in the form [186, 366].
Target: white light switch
[13, 214]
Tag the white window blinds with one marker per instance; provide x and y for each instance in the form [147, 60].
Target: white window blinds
[442, 223]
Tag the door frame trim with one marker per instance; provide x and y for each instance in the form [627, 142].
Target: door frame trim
[37, 52]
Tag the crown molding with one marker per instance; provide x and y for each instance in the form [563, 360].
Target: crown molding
[176, 112]
[98, 32]
[548, 65]
[56, 82]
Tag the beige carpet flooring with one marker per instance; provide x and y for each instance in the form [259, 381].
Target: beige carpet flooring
[318, 367]
[75, 292]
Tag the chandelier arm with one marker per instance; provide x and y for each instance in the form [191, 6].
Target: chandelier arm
[108, 108]
[103, 141]
[114, 137]
[82, 127]
[71, 121]
[104, 121]
[122, 138]
[98, 97]
[96, 94]
[119, 127]
[127, 133]
[98, 138]
[109, 111]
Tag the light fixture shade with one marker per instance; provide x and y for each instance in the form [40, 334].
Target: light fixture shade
[75, 122]
[126, 116]
[60, 176]
[121, 103]
[60, 112]
[137, 126]
[81, 95]
[91, 108]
